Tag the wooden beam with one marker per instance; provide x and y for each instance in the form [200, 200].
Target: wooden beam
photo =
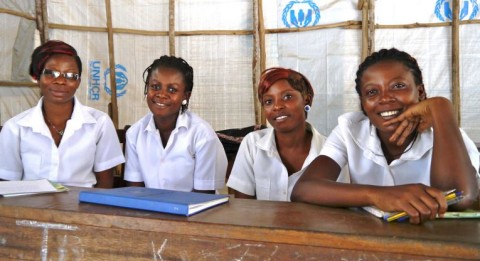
[371, 27]
[259, 57]
[171, 26]
[456, 60]
[344, 25]
[41, 18]
[111, 55]
[17, 84]
[364, 29]
[16, 13]
[368, 27]
[360, 4]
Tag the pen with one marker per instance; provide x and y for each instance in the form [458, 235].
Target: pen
[465, 214]
[451, 196]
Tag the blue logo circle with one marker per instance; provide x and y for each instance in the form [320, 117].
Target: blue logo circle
[300, 13]
[121, 80]
[468, 10]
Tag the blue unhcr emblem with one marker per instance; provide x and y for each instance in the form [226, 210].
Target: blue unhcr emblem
[120, 79]
[443, 10]
[299, 13]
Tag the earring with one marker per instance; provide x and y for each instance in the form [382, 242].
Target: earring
[184, 102]
[307, 108]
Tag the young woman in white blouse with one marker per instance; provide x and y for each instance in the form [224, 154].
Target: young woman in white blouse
[171, 147]
[402, 151]
[270, 161]
[60, 139]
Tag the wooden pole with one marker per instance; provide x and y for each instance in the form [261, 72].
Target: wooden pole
[259, 57]
[171, 26]
[456, 60]
[41, 18]
[17, 84]
[113, 110]
[363, 5]
[368, 27]
[371, 26]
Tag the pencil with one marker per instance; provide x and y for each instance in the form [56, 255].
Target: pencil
[452, 197]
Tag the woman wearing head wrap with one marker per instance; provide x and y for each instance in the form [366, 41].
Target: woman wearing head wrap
[59, 139]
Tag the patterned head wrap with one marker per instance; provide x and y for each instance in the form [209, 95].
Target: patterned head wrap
[42, 53]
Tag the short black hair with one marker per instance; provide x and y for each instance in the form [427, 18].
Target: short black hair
[389, 55]
[171, 62]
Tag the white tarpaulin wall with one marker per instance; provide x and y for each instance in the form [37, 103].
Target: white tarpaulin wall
[223, 78]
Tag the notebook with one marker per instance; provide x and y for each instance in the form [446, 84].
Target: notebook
[158, 200]
[15, 188]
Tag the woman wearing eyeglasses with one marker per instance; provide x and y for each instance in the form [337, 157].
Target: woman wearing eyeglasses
[59, 139]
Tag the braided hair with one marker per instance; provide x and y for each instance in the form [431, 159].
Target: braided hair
[42, 53]
[389, 55]
[175, 63]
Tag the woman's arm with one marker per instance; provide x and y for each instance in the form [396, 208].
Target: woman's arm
[318, 186]
[104, 178]
[451, 166]
[242, 176]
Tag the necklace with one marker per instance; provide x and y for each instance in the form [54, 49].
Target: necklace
[59, 132]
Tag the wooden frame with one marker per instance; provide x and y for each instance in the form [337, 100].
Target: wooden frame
[367, 26]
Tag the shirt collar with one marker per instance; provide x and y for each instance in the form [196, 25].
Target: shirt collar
[364, 134]
[36, 121]
[267, 142]
[183, 120]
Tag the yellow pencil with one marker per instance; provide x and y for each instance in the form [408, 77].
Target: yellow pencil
[450, 197]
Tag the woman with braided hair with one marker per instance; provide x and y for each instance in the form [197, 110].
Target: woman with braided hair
[172, 147]
[60, 139]
[402, 150]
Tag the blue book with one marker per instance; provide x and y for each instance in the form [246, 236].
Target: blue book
[159, 200]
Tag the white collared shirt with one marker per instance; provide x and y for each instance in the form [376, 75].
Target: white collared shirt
[193, 158]
[28, 151]
[259, 171]
[354, 142]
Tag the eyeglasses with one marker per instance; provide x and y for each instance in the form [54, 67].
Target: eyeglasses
[55, 74]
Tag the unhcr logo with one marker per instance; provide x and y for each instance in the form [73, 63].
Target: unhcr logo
[121, 80]
[468, 10]
[94, 84]
[300, 14]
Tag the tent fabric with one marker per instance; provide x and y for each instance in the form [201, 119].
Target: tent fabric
[223, 78]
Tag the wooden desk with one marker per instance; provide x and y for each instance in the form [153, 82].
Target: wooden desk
[57, 227]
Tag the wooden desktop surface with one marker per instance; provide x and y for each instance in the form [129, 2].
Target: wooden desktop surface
[57, 227]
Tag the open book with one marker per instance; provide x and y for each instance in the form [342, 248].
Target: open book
[160, 200]
[28, 187]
